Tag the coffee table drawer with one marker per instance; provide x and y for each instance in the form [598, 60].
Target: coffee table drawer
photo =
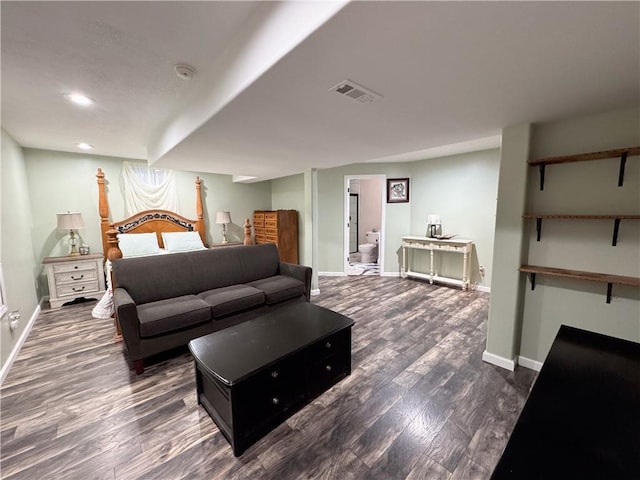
[337, 342]
[327, 372]
[270, 392]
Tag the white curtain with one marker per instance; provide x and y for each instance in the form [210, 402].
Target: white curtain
[148, 188]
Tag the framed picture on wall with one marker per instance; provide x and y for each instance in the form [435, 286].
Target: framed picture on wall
[397, 190]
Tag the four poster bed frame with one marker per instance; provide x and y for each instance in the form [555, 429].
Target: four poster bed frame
[147, 221]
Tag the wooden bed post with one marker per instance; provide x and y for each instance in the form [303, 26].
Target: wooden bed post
[199, 212]
[103, 211]
[247, 232]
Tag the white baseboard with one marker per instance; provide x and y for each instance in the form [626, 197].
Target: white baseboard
[332, 274]
[529, 363]
[390, 274]
[481, 288]
[315, 291]
[18, 345]
[508, 364]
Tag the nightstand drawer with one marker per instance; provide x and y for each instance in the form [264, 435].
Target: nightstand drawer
[73, 266]
[76, 276]
[77, 289]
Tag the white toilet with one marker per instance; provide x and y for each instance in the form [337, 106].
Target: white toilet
[369, 251]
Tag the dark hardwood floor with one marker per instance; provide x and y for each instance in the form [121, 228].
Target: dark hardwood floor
[420, 403]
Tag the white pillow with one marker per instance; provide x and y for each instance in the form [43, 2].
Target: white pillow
[182, 241]
[138, 244]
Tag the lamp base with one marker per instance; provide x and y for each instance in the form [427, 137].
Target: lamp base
[74, 244]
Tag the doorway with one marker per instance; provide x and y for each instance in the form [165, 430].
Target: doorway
[353, 223]
[364, 223]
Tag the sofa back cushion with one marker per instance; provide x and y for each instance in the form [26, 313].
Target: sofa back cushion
[149, 279]
[214, 268]
[258, 261]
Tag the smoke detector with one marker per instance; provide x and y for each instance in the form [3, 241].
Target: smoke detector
[185, 72]
[351, 89]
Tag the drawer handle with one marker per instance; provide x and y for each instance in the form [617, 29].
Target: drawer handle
[327, 345]
[274, 374]
[328, 368]
[76, 267]
[77, 278]
[275, 400]
[78, 289]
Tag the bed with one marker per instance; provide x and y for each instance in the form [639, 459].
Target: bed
[157, 222]
[147, 221]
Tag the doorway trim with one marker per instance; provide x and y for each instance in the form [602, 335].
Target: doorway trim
[345, 219]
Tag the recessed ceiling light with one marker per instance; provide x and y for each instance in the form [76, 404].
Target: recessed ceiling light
[85, 146]
[79, 99]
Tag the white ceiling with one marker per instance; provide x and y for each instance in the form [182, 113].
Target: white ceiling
[451, 76]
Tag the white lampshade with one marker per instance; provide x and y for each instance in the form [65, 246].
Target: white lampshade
[223, 218]
[70, 221]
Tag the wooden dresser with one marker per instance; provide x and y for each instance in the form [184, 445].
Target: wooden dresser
[279, 227]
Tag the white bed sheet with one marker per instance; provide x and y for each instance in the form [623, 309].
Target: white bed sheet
[104, 308]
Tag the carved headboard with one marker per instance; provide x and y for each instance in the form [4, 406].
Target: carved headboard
[147, 221]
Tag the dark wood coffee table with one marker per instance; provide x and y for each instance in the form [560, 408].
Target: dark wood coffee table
[253, 376]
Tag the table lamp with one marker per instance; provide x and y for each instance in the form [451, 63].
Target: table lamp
[71, 221]
[222, 218]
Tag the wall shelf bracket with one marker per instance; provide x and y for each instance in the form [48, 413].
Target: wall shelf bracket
[616, 228]
[532, 278]
[541, 169]
[609, 288]
[623, 162]
[538, 227]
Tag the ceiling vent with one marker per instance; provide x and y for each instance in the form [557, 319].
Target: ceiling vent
[351, 89]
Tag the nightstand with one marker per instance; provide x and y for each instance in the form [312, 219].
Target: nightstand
[75, 277]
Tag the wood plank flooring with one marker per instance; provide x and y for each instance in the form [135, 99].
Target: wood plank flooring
[420, 403]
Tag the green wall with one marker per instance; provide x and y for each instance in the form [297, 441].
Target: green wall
[287, 193]
[331, 185]
[61, 181]
[460, 188]
[523, 323]
[583, 188]
[16, 253]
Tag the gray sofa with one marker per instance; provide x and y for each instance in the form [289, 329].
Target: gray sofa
[164, 301]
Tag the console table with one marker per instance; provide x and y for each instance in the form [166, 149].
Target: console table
[434, 245]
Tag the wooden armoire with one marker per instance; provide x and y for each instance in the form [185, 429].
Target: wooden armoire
[279, 227]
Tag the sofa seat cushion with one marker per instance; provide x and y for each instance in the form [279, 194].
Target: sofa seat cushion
[234, 298]
[279, 288]
[171, 314]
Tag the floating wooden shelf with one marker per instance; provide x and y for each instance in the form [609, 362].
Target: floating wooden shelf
[616, 221]
[609, 279]
[621, 153]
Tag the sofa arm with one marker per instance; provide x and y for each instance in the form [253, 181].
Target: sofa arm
[299, 272]
[127, 317]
